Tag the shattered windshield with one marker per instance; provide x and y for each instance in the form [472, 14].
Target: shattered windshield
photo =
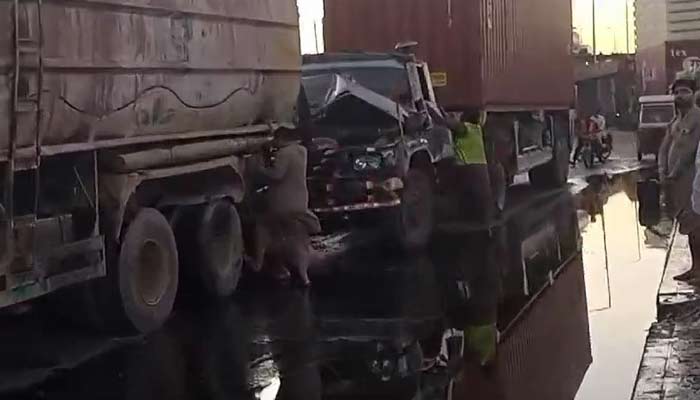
[390, 82]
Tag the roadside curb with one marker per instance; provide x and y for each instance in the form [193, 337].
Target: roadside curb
[670, 365]
[676, 298]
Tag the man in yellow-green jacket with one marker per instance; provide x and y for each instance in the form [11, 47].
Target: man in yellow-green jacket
[470, 174]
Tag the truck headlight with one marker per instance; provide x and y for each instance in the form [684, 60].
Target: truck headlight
[367, 163]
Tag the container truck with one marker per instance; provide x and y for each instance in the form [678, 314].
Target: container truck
[123, 129]
[510, 59]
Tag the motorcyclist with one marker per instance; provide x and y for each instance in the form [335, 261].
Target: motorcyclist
[597, 123]
[593, 129]
[598, 127]
[581, 133]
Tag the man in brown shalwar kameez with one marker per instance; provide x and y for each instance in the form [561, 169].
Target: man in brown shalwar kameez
[282, 239]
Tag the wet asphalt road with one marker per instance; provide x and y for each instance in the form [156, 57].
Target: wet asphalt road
[358, 333]
[571, 287]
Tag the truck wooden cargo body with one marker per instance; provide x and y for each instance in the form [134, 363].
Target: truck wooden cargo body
[493, 54]
[106, 72]
[120, 121]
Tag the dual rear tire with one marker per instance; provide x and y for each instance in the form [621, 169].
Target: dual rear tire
[143, 274]
[147, 269]
[210, 243]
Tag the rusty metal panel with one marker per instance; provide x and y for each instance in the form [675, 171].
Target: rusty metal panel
[527, 53]
[121, 69]
[547, 352]
[658, 65]
[495, 53]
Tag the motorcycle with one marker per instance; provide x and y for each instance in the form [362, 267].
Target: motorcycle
[595, 145]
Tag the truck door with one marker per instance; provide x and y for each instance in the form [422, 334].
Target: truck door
[440, 140]
[426, 83]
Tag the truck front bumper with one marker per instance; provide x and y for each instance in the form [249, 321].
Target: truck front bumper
[352, 195]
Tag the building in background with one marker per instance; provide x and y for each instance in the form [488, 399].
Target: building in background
[668, 34]
[311, 26]
[607, 86]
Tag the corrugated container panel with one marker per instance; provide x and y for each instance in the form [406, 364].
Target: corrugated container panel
[527, 46]
[496, 53]
[445, 30]
[548, 352]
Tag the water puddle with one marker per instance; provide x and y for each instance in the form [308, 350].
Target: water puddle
[623, 263]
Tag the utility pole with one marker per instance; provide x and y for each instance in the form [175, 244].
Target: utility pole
[595, 46]
[316, 36]
[627, 24]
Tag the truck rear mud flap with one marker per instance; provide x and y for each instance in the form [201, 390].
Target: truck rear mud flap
[63, 266]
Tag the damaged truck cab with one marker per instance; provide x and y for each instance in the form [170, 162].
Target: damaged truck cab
[378, 134]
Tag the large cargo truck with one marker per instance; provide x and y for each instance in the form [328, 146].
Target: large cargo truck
[658, 65]
[510, 59]
[123, 129]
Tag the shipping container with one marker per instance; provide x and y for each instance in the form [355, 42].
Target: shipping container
[494, 54]
[658, 65]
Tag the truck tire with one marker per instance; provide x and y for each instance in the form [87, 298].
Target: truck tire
[414, 222]
[555, 173]
[147, 270]
[219, 240]
[210, 245]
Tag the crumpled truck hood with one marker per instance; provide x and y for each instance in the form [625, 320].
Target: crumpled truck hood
[333, 98]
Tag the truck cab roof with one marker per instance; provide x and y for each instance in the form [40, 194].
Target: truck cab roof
[347, 57]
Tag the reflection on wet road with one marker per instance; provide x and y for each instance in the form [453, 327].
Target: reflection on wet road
[623, 266]
[374, 322]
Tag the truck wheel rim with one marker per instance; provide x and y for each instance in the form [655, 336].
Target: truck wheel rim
[153, 274]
